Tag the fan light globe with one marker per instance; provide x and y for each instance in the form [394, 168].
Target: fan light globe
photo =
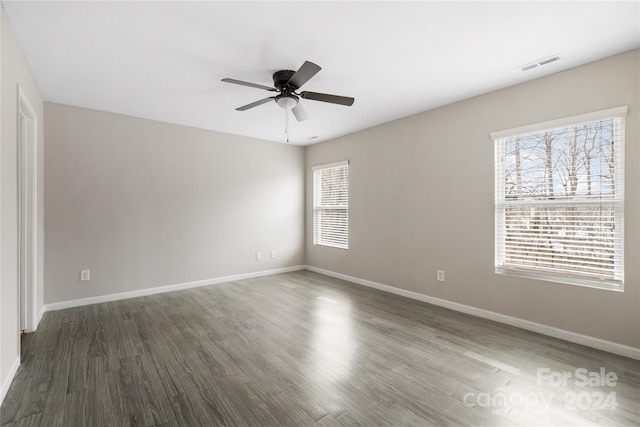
[287, 102]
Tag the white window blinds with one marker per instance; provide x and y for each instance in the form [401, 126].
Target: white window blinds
[331, 205]
[559, 199]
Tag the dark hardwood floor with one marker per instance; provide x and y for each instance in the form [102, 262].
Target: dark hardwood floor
[302, 349]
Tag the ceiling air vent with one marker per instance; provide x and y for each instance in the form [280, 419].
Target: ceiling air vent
[540, 62]
[530, 66]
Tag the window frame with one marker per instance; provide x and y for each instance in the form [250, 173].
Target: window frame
[499, 138]
[318, 207]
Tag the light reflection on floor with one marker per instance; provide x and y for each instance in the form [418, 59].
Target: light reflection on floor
[333, 344]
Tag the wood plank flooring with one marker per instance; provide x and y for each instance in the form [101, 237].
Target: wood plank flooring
[303, 349]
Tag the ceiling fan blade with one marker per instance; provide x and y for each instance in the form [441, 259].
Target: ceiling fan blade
[325, 97]
[242, 83]
[300, 113]
[304, 73]
[255, 104]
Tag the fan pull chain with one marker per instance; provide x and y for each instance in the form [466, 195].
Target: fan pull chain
[286, 124]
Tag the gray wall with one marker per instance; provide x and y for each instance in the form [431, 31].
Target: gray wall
[14, 71]
[422, 193]
[145, 204]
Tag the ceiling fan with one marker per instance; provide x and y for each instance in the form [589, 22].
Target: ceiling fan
[287, 83]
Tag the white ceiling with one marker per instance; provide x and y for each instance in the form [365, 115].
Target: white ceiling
[164, 60]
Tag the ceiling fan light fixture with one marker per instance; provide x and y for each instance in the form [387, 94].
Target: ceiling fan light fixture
[287, 101]
[287, 82]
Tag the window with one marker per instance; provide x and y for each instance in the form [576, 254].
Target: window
[331, 205]
[559, 200]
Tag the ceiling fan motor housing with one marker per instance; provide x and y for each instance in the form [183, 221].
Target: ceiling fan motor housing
[281, 78]
[286, 99]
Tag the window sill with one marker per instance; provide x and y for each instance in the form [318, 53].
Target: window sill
[615, 286]
[331, 246]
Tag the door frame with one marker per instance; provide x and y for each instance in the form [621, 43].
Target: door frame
[27, 171]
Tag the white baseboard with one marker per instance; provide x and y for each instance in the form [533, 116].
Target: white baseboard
[168, 288]
[597, 343]
[7, 381]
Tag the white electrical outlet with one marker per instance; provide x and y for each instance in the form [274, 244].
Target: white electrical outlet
[85, 275]
[258, 256]
[273, 253]
[440, 275]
